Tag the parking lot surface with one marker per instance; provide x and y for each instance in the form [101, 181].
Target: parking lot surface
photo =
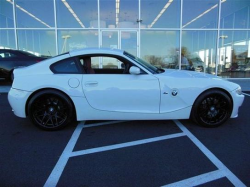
[125, 153]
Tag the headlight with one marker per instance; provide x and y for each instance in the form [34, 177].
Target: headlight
[238, 91]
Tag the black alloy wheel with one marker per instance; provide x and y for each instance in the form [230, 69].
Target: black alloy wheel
[212, 108]
[50, 110]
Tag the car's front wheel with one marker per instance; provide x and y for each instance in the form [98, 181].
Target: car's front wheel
[212, 108]
[50, 110]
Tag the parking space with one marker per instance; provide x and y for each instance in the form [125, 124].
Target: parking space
[177, 159]
[125, 153]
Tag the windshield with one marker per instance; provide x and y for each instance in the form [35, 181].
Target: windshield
[144, 64]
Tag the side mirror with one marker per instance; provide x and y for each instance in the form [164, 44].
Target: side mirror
[134, 70]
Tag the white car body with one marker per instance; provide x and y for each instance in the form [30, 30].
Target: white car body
[119, 96]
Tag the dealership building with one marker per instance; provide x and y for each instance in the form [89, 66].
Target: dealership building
[202, 35]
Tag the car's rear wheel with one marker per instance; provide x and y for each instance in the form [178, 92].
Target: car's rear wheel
[212, 108]
[50, 110]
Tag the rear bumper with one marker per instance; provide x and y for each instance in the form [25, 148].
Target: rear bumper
[237, 102]
[17, 99]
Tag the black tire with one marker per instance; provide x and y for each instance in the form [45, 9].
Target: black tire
[50, 110]
[212, 108]
[11, 76]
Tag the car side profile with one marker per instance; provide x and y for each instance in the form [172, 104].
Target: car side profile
[108, 84]
[11, 59]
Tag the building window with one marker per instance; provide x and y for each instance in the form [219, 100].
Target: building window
[200, 14]
[235, 14]
[160, 14]
[119, 14]
[6, 15]
[38, 42]
[77, 14]
[198, 35]
[7, 39]
[199, 48]
[35, 14]
[234, 54]
[160, 48]
[69, 40]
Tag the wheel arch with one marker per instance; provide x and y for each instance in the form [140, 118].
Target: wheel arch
[215, 88]
[53, 89]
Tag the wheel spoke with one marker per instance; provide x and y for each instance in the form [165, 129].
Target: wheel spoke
[44, 119]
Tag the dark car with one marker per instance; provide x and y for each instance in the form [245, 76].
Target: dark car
[11, 59]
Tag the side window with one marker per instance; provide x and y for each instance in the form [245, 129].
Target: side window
[102, 64]
[68, 66]
[107, 63]
[6, 55]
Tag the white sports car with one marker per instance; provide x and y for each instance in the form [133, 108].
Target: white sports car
[106, 84]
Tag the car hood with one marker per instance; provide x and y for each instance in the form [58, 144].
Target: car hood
[187, 74]
[194, 79]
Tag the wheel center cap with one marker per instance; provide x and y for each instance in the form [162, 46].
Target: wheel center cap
[51, 109]
[212, 109]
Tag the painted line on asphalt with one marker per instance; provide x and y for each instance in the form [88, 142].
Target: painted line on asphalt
[103, 123]
[198, 180]
[246, 94]
[68, 151]
[127, 144]
[61, 163]
[222, 168]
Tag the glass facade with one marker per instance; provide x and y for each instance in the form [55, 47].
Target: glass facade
[209, 36]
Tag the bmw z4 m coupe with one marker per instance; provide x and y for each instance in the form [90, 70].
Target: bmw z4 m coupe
[108, 84]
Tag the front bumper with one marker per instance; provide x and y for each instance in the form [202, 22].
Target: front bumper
[17, 99]
[237, 102]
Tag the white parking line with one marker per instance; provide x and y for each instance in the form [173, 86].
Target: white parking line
[234, 180]
[58, 169]
[68, 151]
[198, 180]
[246, 94]
[123, 145]
[103, 123]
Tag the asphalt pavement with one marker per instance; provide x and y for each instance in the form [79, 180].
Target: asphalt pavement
[124, 153]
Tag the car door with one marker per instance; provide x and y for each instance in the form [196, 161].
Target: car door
[121, 92]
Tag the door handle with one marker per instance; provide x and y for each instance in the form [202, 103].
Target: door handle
[91, 83]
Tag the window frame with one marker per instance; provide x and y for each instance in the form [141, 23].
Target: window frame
[80, 70]
[120, 58]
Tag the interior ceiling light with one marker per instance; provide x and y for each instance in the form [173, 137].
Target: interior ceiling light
[161, 12]
[117, 11]
[208, 10]
[31, 15]
[73, 13]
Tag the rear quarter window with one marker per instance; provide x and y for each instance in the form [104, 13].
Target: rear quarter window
[66, 66]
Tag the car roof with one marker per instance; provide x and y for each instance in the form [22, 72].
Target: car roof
[86, 51]
[8, 50]
[16, 51]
